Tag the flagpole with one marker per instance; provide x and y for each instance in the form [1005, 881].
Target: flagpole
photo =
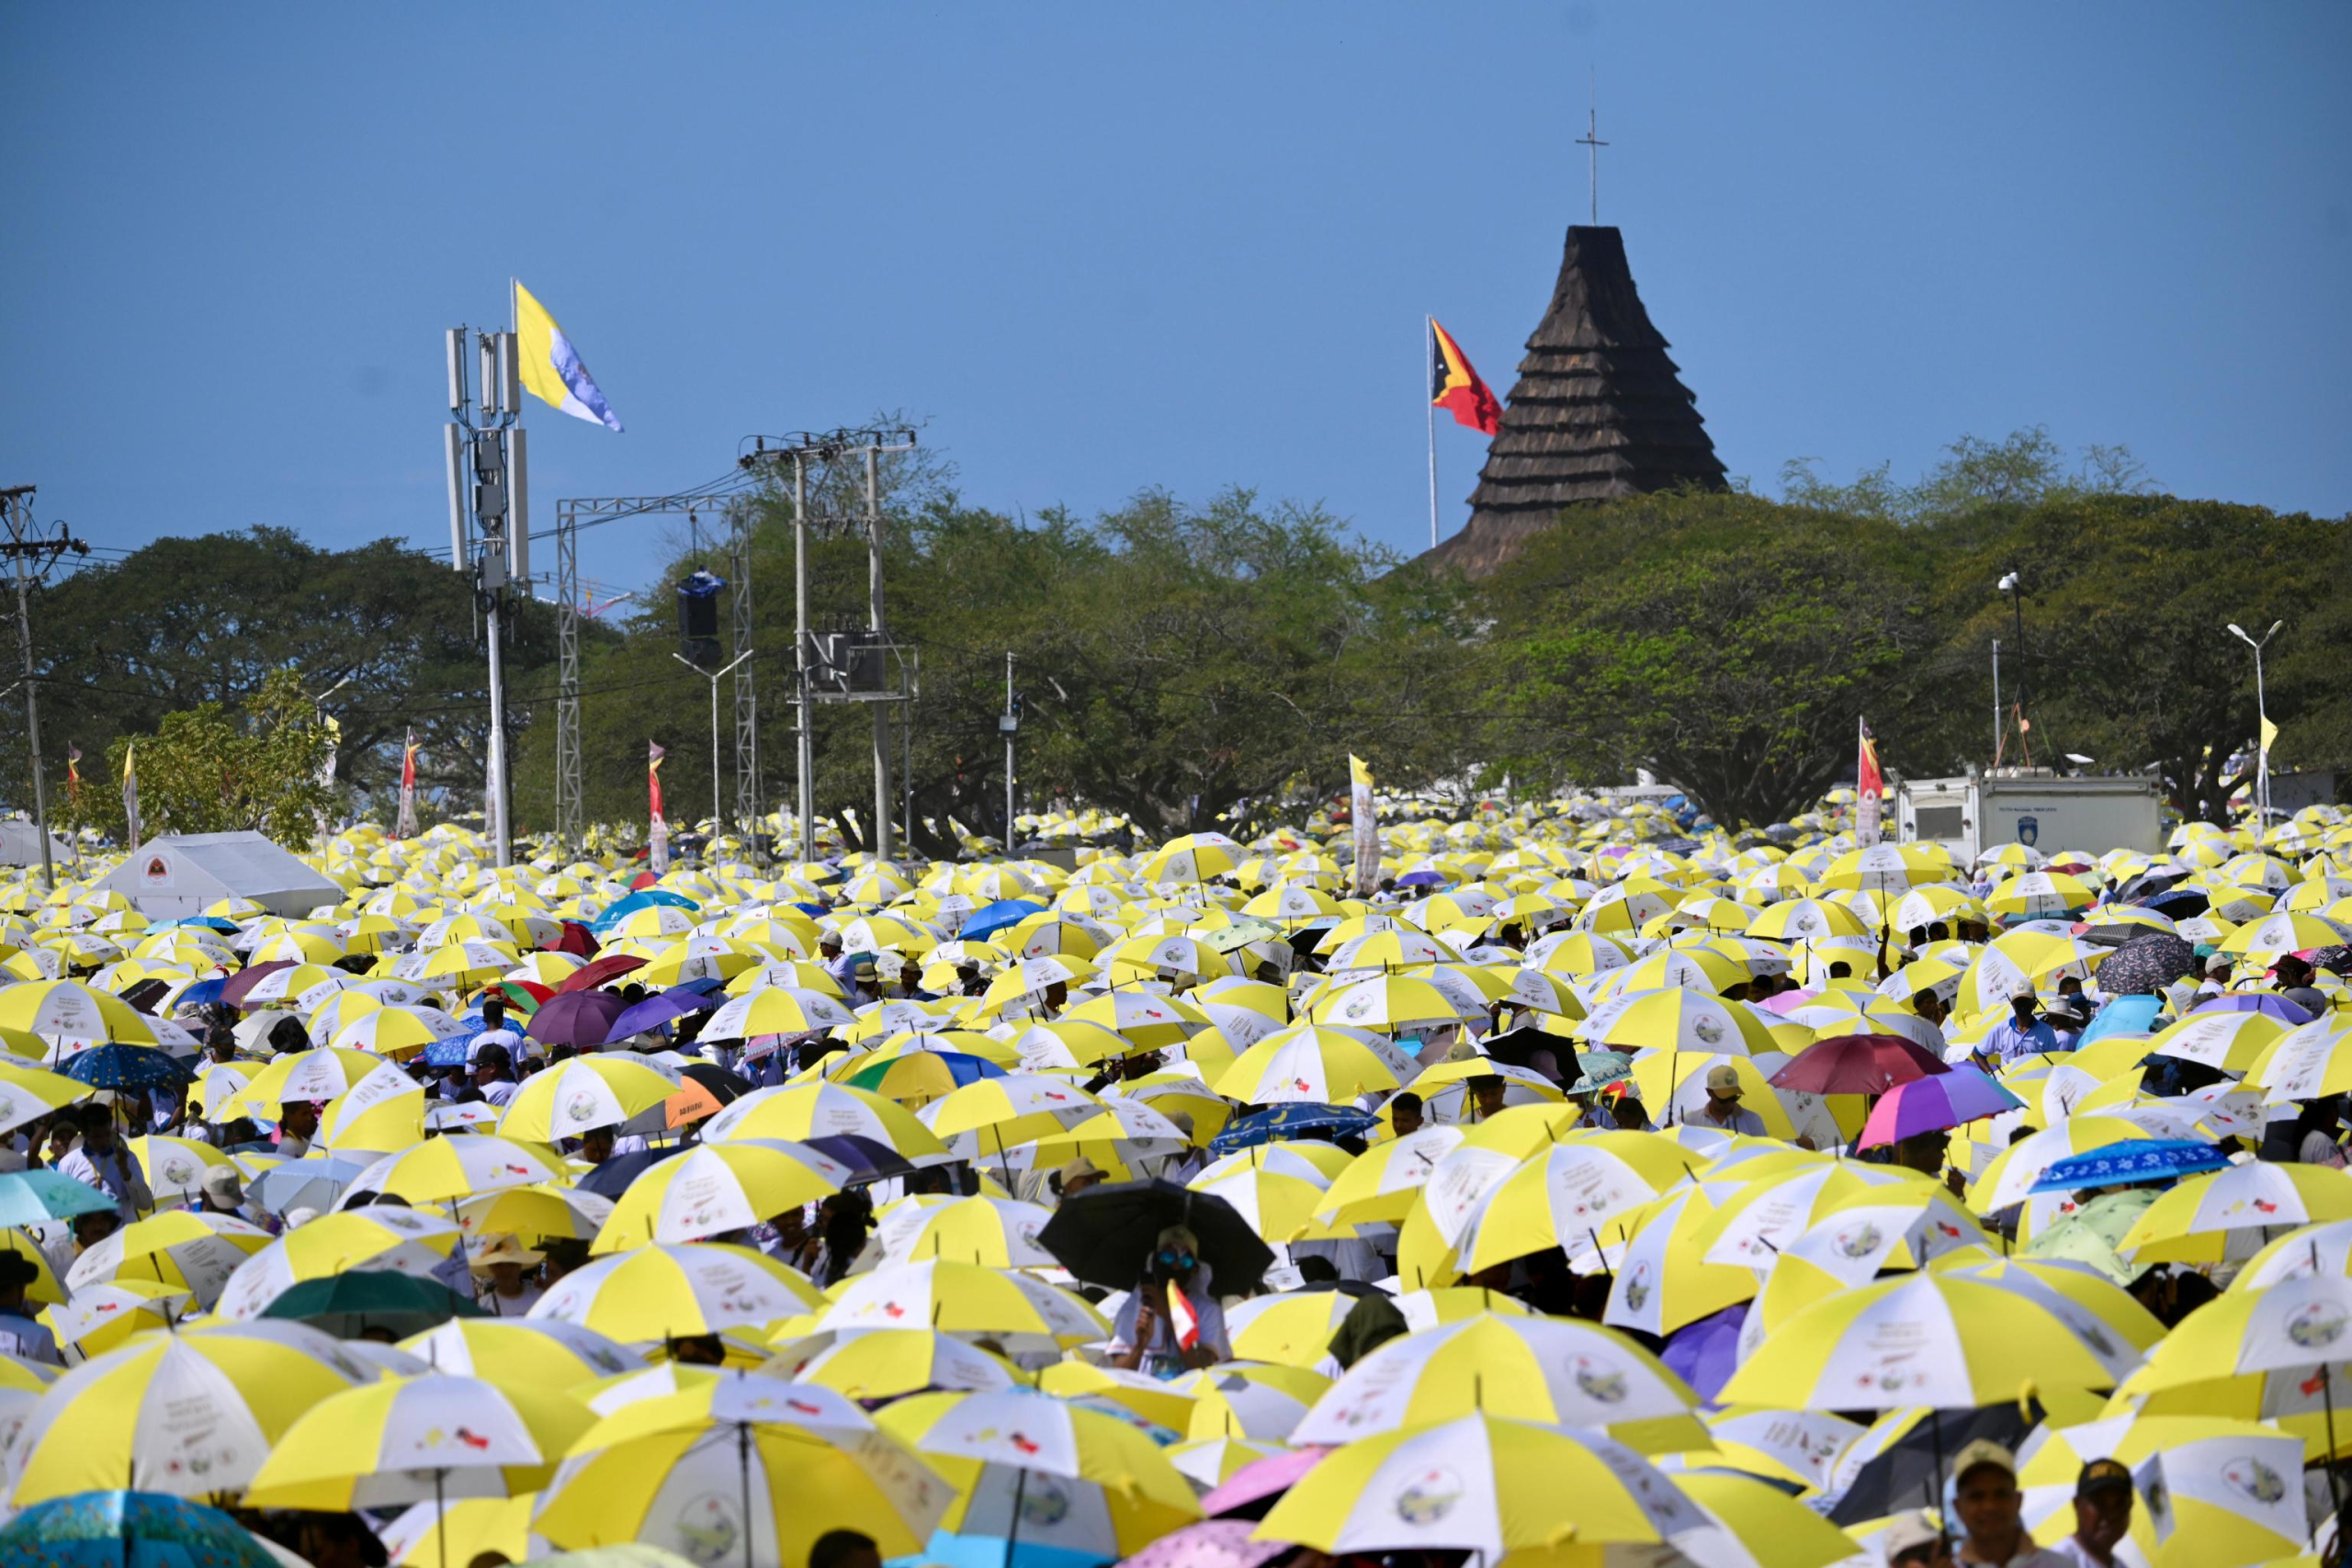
[1428, 379]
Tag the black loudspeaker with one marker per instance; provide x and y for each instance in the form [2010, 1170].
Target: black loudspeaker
[698, 619]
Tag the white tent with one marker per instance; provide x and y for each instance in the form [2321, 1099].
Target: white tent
[183, 874]
[20, 844]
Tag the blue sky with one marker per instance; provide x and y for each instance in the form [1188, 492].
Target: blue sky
[1106, 248]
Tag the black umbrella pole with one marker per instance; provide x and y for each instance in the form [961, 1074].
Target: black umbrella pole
[1012, 1525]
[743, 1459]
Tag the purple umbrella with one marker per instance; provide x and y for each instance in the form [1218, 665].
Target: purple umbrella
[2263, 1002]
[1212, 1544]
[1704, 1354]
[580, 1019]
[1932, 1105]
[655, 1012]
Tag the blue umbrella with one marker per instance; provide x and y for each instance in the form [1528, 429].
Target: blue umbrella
[1003, 915]
[129, 1529]
[2129, 1162]
[1704, 1354]
[644, 898]
[1280, 1121]
[315, 1181]
[209, 922]
[1422, 879]
[204, 993]
[128, 1066]
[30, 1197]
[2124, 1015]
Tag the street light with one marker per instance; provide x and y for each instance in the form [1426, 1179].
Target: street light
[2262, 735]
[713, 677]
[2014, 586]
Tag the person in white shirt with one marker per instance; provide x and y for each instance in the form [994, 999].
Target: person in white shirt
[104, 1163]
[22, 1334]
[2103, 1493]
[494, 1074]
[504, 1271]
[494, 1031]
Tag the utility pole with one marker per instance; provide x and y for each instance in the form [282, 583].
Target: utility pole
[882, 845]
[490, 525]
[801, 448]
[1996, 702]
[30, 555]
[1010, 725]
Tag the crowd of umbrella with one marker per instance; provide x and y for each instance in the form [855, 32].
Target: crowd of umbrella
[1244, 1024]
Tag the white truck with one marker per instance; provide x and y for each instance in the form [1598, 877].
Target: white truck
[2031, 807]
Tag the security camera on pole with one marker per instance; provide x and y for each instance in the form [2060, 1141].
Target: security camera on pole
[484, 458]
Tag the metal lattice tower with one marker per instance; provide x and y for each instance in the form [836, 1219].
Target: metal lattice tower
[743, 517]
[574, 514]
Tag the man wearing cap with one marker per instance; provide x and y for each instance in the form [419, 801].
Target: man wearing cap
[223, 1192]
[2102, 1516]
[2021, 1034]
[1723, 1108]
[1989, 1506]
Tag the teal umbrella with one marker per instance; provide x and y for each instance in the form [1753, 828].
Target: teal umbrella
[30, 1197]
[129, 1529]
[349, 1304]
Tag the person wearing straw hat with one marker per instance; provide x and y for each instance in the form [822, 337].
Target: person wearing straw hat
[504, 1260]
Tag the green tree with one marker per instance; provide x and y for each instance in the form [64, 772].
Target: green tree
[211, 770]
[1726, 644]
[184, 621]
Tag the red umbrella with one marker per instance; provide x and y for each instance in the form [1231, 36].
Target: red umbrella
[597, 971]
[575, 939]
[244, 980]
[1858, 1064]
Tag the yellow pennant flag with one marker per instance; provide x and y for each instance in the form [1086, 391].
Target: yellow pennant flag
[2269, 735]
[1364, 823]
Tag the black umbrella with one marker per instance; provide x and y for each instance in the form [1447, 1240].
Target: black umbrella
[2146, 963]
[1104, 1235]
[725, 1087]
[1909, 1472]
[611, 1179]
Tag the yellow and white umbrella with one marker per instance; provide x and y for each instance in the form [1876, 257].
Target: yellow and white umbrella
[606, 1089]
[1481, 1485]
[1321, 1065]
[658, 1293]
[384, 1238]
[713, 1188]
[193, 1412]
[2199, 1220]
[1563, 1196]
[1553, 1370]
[404, 1439]
[178, 1246]
[538, 1352]
[2207, 1492]
[800, 1111]
[959, 1298]
[463, 1165]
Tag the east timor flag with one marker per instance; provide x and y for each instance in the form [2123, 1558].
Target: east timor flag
[1455, 387]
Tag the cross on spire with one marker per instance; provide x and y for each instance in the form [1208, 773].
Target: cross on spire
[1592, 140]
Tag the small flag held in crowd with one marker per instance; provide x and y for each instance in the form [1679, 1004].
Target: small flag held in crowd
[131, 793]
[1363, 817]
[72, 772]
[404, 826]
[1870, 789]
[658, 853]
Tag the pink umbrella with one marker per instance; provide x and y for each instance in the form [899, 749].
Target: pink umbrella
[1212, 1544]
[1260, 1482]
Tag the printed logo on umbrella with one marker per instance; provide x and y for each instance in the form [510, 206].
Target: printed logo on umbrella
[2316, 1325]
[2255, 1479]
[1429, 1496]
[1598, 1381]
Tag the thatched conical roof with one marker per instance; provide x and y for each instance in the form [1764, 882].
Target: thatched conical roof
[1598, 411]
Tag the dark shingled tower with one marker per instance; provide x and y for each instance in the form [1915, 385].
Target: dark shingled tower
[1599, 411]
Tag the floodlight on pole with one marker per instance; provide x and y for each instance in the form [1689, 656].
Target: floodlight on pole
[714, 677]
[2262, 735]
